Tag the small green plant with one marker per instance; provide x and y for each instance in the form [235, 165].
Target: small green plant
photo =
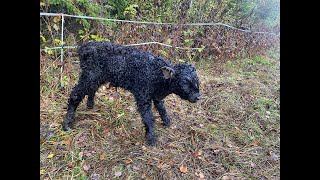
[181, 60]
[58, 42]
[65, 81]
[261, 60]
[201, 49]
[97, 38]
[85, 36]
[43, 38]
[78, 7]
[263, 104]
[163, 52]
[119, 119]
[130, 11]
[48, 51]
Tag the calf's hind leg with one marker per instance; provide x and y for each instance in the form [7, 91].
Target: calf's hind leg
[91, 93]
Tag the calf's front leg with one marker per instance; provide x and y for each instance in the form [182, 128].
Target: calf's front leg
[144, 108]
[159, 104]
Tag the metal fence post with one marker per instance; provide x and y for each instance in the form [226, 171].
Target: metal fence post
[62, 43]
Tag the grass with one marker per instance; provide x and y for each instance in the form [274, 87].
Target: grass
[234, 132]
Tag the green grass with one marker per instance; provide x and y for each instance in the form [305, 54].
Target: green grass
[236, 127]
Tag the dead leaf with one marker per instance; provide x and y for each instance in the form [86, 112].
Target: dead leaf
[229, 145]
[216, 151]
[143, 175]
[174, 127]
[172, 145]
[53, 168]
[94, 176]
[197, 153]
[252, 164]
[144, 148]
[54, 125]
[118, 173]
[128, 161]
[88, 154]
[86, 167]
[225, 178]
[255, 143]
[42, 171]
[80, 155]
[106, 131]
[202, 159]
[211, 119]
[183, 169]
[56, 27]
[213, 126]
[71, 164]
[200, 175]
[149, 162]
[66, 142]
[135, 168]
[161, 164]
[50, 156]
[172, 163]
[42, 4]
[56, 19]
[102, 157]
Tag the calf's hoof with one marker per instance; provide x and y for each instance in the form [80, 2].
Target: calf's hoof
[66, 126]
[166, 123]
[90, 105]
[151, 139]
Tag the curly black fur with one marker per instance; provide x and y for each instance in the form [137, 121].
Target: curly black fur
[148, 77]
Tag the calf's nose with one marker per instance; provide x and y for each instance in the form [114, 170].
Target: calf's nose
[199, 97]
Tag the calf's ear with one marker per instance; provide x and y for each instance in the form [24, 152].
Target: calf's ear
[168, 72]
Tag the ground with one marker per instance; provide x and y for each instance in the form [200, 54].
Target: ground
[232, 133]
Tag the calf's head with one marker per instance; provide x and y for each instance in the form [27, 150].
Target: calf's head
[184, 81]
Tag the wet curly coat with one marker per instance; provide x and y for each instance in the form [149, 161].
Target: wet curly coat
[148, 77]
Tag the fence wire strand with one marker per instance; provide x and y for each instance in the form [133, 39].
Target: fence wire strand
[145, 22]
[155, 23]
[137, 22]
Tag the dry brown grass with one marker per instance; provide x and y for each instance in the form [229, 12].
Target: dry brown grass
[233, 133]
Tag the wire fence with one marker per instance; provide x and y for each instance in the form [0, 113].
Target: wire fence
[145, 22]
[63, 46]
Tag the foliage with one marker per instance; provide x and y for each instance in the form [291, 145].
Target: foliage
[75, 7]
[220, 42]
[118, 7]
[130, 11]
